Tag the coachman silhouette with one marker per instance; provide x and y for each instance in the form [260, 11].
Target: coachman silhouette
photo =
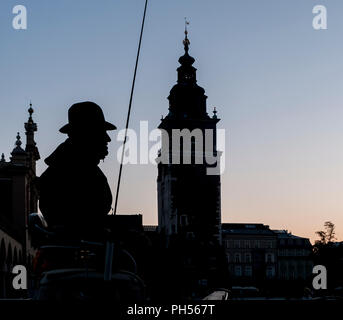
[74, 192]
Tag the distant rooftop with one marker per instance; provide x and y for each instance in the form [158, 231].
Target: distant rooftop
[150, 228]
[338, 244]
[246, 228]
[284, 234]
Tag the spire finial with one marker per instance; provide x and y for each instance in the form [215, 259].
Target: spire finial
[214, 113]
[18, 142]
[30, 110]
[186, 42]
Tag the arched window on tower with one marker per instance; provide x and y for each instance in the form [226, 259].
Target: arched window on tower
[269, 258]
[248, 257]
[237, 257]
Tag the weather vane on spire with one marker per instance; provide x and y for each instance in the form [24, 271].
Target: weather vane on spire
[186, 42]
[186, 24]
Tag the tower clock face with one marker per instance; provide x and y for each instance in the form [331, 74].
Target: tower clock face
[189, 76]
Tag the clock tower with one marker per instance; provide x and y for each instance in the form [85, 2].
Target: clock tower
[188, 176]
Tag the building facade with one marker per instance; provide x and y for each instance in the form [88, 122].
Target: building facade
[295, 261]
[255, 253]
[19, 198]
[251, 251]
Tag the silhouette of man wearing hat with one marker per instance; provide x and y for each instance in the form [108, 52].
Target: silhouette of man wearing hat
[74, 192]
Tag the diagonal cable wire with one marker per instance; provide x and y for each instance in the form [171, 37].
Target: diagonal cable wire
[129, 111]
[109, 244]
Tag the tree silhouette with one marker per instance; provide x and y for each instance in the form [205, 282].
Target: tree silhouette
[327, 236]
[329, 253]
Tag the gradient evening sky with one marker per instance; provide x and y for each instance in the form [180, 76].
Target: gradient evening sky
[276, 82]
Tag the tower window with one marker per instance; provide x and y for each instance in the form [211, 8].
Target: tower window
[269, 258]
[238, 271]
[248, 258]
[237, 257]
[190, 235]
[248, 271]
[188, 76]
[183, 220]
[270, 272]
[6, 197]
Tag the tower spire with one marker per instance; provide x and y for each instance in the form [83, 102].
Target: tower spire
[30, 129]
[186, 98]
[18, 141]
[186, 42]
[30, 110]
[19, 156]
[214, 113]
[186, 72]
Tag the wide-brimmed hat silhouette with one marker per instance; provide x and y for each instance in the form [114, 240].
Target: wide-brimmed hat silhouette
[85, 115]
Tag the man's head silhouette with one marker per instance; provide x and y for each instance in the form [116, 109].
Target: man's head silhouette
[87, 130]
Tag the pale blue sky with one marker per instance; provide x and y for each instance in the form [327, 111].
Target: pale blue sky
[276, 82]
